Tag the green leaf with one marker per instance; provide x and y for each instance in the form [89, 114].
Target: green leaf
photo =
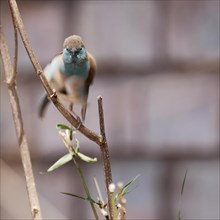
[128, 184]
[70, 194]
[80, 197]
[86, 158]
[128, 191]
[77, 146]
[183, 183]
[64, 127]
[182, 189]
[125, 187]
[63, 160]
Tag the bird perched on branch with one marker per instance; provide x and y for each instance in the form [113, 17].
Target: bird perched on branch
[71, 73]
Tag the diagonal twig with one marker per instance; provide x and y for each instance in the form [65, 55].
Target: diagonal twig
[12, 80]
[51, 93]
[99, 139]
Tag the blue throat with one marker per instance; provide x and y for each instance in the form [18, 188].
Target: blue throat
[75, 63]
[80, 69]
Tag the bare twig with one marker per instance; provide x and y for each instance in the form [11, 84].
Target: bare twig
[22, 140]
[105, 156]
[51, 94]
[12, 80]
[99, 139]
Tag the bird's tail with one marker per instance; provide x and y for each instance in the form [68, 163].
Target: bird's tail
[43, 105]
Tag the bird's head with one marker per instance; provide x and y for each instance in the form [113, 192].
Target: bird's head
[74, 50]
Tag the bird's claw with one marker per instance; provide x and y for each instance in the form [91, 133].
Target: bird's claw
[76, 116]
[54, 94]
[79, 122]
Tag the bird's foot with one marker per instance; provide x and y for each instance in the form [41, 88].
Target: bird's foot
[78, 120]
[54, 94]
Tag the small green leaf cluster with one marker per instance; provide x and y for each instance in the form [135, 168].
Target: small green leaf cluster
[117, 199]
[66, 134]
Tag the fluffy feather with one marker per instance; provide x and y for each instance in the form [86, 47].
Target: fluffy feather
[71, 73]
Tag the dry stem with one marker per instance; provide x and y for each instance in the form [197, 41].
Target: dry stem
[10, 76]
[105, 155]
[51, 94]
[97, 138]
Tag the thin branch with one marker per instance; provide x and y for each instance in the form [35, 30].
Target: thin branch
[99, 139]
[22, 140]
[12, 80]
[51, 93]
[67, 138]
[105, 156]
[80, 173]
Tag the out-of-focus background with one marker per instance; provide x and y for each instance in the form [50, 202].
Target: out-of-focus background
[158, 74]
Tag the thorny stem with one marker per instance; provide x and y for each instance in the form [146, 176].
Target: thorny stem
[22, 140]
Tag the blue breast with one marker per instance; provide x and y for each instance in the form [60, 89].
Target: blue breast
[76, 69]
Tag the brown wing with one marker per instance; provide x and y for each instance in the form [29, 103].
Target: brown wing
[89, 81]
[92, 70]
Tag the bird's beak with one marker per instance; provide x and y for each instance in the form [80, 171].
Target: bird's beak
[73, 50]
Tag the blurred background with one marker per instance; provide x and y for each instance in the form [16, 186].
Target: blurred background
[158, 74]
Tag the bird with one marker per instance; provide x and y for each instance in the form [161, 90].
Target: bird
[70, 74]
